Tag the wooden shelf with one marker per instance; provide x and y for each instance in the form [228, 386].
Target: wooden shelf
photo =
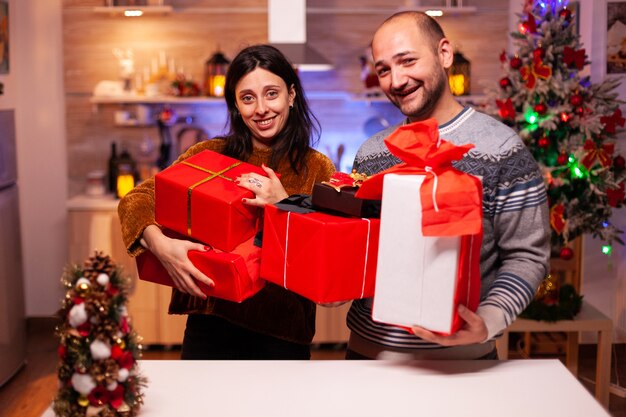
[130, 99]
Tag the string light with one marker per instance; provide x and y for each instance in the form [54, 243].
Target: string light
[607, 249]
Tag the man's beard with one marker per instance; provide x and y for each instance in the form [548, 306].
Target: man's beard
[430, 97]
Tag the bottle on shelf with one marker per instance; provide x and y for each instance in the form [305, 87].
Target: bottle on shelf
[112, 169]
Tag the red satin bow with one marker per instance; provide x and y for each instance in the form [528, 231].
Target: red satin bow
[610, 122]
[507, 111]
[457, 210]
[571, 56]
[557, 218]
[603, 153]
[530, 73]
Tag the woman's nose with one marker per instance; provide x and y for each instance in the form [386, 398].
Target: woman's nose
[261, 107]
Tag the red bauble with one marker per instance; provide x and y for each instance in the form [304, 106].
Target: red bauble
[562, 159]
[543, 142]
[505, 82]
[580, 111]
[566, 14]
[576, 100]
[541, 108]
[566, 253]
[516, 63]
[619, 162]
[539, 53]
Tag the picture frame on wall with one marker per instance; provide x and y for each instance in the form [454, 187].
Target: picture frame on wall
[616, 37]
[4, 37]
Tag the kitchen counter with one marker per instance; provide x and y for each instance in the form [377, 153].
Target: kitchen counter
[86, 202]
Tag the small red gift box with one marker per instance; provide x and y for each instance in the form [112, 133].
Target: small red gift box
[199, 198]
[322, 257]
[236, 273]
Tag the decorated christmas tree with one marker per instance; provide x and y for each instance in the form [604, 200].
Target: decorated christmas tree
[98, 348]
[567, 122]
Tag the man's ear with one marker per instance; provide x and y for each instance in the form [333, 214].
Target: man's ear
[446, 53]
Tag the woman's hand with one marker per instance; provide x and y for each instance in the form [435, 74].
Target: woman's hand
[268, 190]
[173, 255]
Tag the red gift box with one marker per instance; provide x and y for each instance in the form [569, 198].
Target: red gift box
[199, 198]
[322, 257]
[236, 273]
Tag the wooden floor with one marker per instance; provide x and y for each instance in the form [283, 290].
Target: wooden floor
[30, 392]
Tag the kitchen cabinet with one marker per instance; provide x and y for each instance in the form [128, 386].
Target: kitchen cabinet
[94, 225]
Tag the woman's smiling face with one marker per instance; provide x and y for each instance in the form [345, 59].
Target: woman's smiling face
[263, 100]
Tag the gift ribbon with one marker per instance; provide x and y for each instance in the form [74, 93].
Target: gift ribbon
[418, 145]
[367, 246]
[430, 170]
[212, 175]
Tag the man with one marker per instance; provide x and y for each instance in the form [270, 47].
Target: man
[411, 56]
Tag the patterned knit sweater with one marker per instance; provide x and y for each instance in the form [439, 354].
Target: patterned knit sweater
[515, 252]
[273, 310]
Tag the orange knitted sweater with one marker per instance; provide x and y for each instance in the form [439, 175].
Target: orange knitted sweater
[273, 310]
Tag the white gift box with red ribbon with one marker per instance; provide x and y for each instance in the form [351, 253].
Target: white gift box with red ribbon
[421, 280]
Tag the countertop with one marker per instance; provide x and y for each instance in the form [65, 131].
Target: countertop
[91, 203]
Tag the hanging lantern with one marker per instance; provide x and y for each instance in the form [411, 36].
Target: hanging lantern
[125, 179]
[459, 75]
[215, 75]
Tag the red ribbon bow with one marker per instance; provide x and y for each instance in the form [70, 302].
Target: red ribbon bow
[610, 122]
[538, 69]
[557, 218]
[571, 56]
[507, 111]
[457, 210]
[602, 153]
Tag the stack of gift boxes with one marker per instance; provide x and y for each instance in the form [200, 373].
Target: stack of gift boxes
[417, 254]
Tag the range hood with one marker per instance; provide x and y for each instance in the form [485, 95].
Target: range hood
[287, 32]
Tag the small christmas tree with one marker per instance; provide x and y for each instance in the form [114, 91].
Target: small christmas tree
[98, 348]
[568, 123]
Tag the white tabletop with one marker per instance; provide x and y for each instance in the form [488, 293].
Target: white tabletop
[364, 388]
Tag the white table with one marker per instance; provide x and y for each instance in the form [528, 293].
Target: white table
[589, 319]
[538, 388]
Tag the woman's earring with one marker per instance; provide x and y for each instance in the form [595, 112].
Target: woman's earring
[291, 106]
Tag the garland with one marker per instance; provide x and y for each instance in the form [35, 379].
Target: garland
[564, 306]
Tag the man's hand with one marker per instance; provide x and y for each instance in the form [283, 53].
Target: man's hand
[473, 331]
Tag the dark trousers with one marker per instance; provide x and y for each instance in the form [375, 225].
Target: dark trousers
[211, 337]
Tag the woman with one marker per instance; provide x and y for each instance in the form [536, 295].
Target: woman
[270, 126]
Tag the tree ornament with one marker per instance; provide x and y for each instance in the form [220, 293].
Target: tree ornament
[574, 58]
[82, 286]
[83, 401]
[541, 108]
[515, 62]
[562, 159]
[619, 162]
[576, 100]
[566, 253]
[565, 14]
[543, 142]
[505, 82]
[539, 54]
[580, 111]
[102, 279]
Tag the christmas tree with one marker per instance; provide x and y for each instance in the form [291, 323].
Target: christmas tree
[98, 348]
[568, 123]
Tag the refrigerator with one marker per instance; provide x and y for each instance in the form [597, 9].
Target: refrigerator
[12, 313]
